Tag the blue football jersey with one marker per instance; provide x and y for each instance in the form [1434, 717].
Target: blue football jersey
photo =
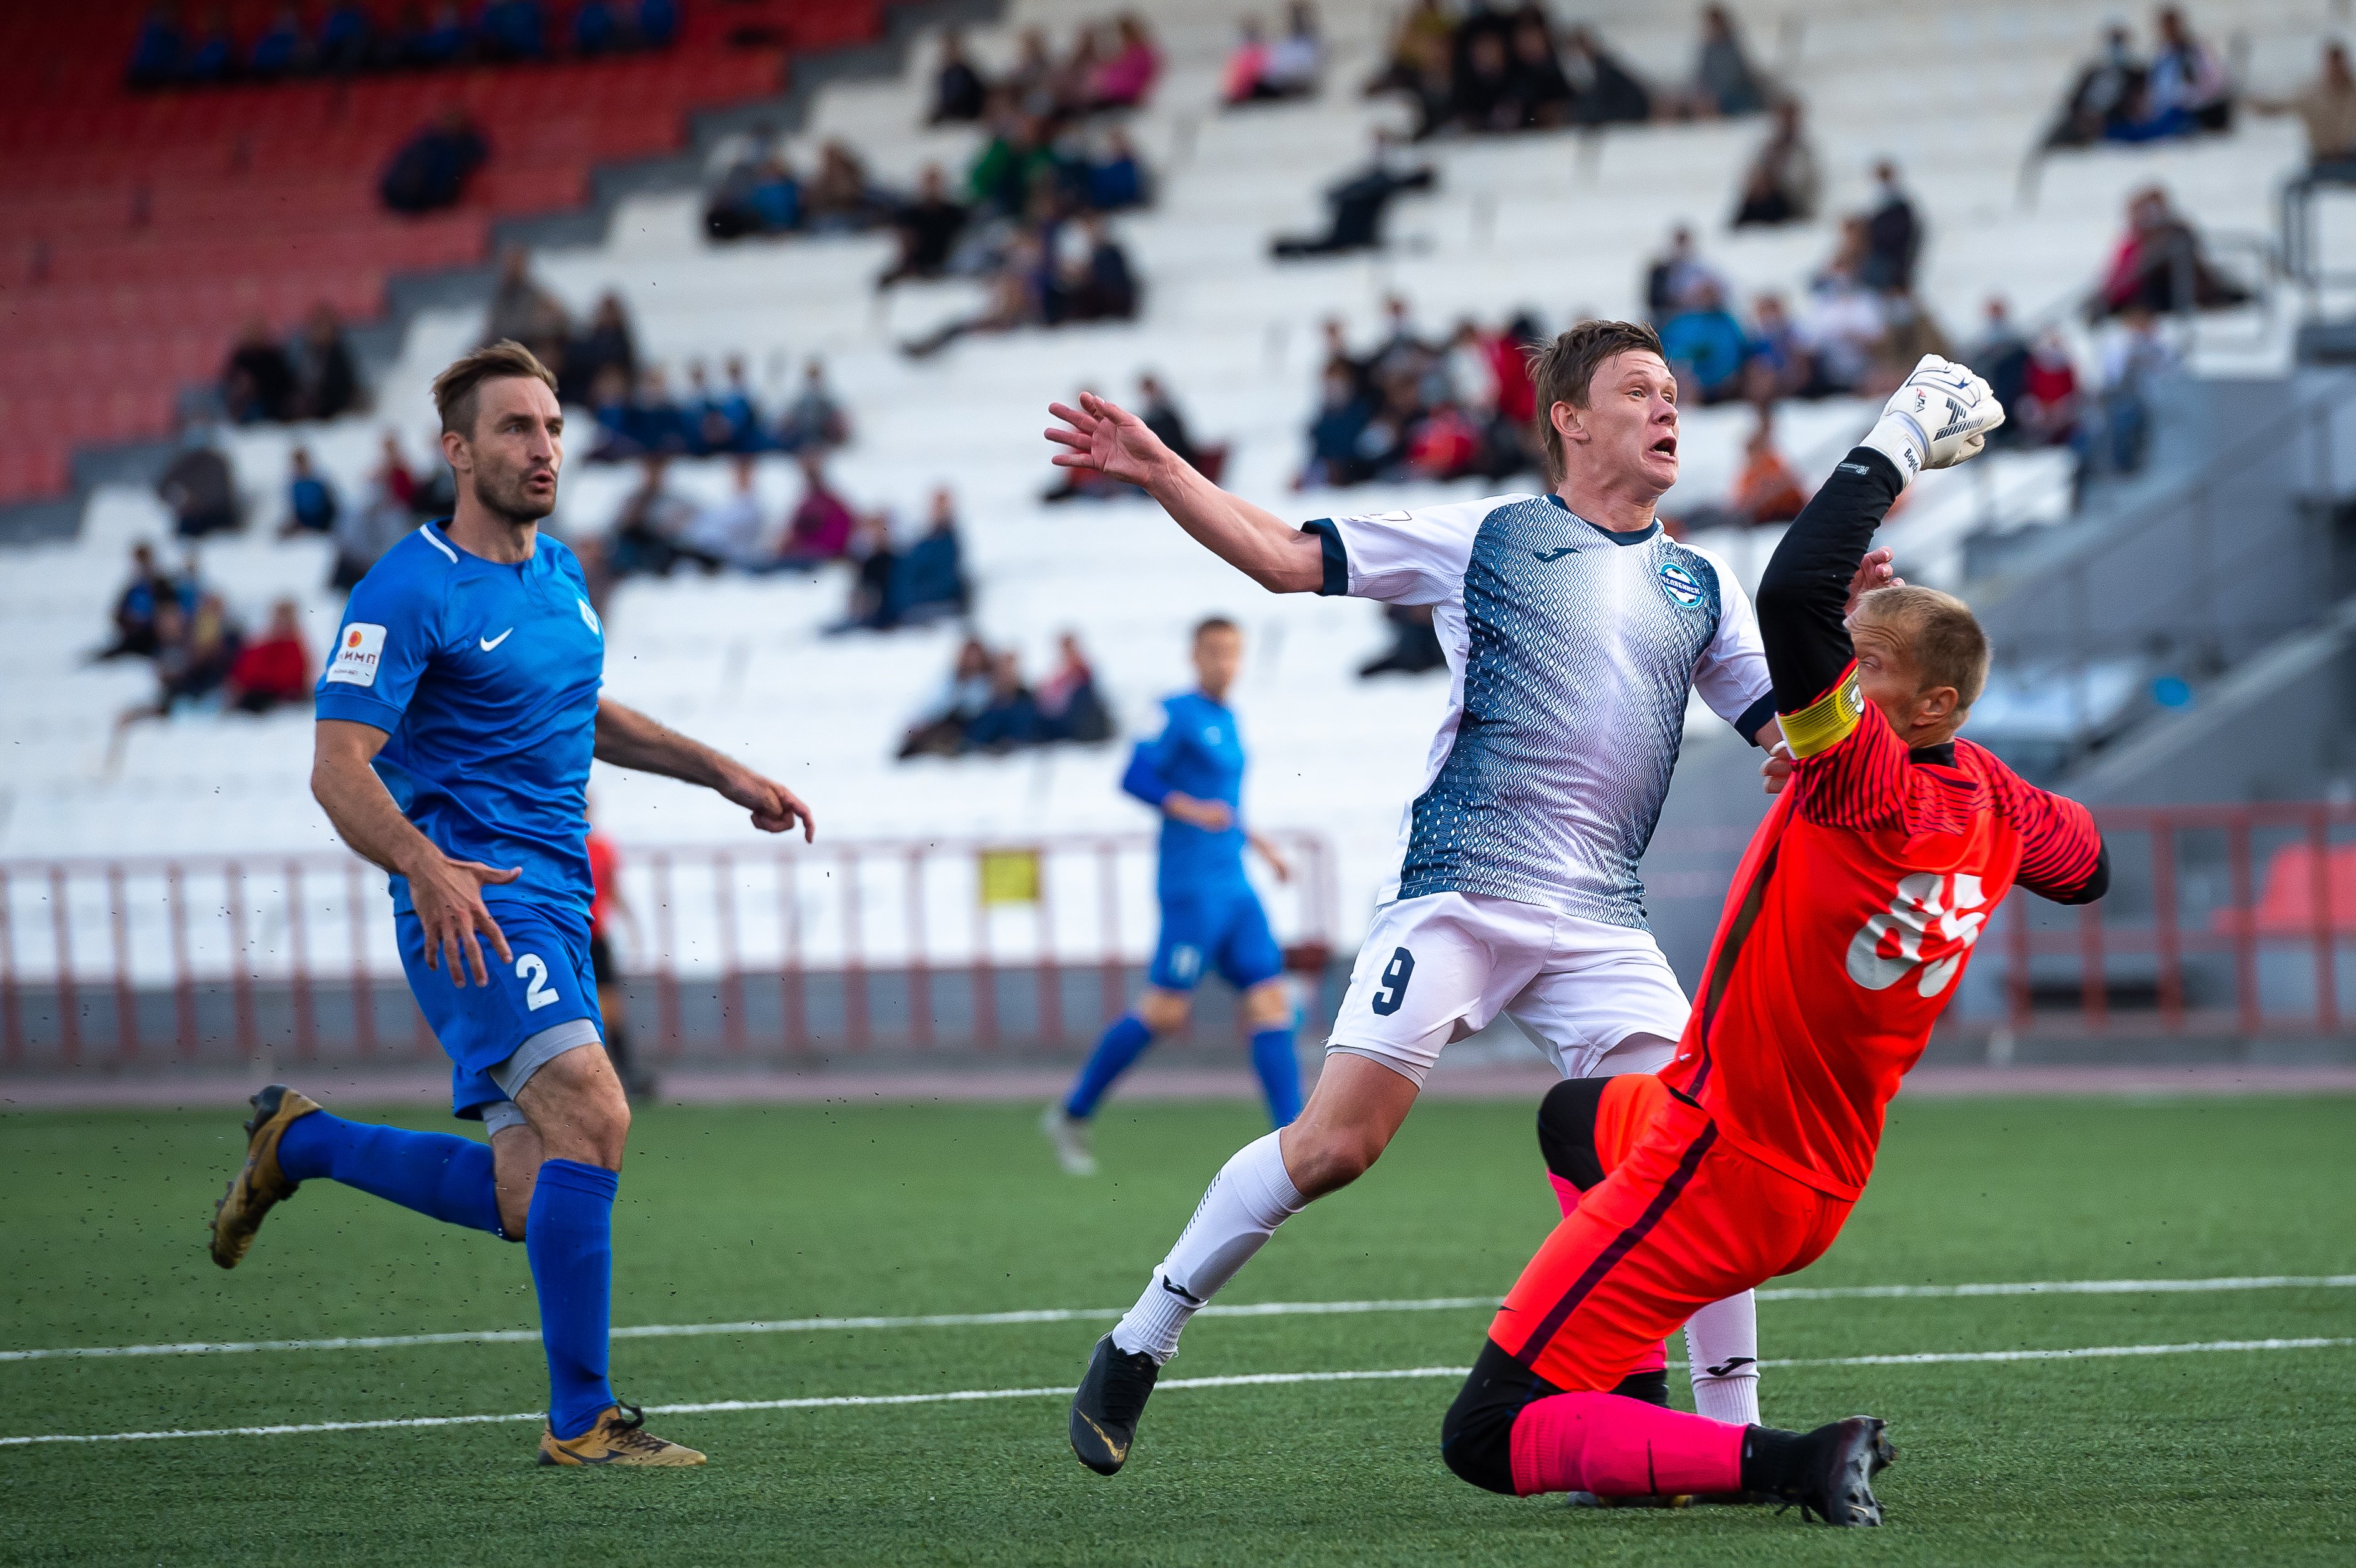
[1198, 753]
[485, 679]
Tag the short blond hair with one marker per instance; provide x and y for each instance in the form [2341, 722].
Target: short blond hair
[458, 391]
[1949, 648]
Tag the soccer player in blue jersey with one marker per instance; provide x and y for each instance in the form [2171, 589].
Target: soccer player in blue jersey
[1193, 775]
[457, 717]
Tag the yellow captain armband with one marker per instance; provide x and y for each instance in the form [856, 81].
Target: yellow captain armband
[1825, 722]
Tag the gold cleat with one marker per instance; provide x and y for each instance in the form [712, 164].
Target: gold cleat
[259, 1184]
[616, 1439]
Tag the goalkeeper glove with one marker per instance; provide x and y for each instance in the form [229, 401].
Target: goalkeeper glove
[1939, 417]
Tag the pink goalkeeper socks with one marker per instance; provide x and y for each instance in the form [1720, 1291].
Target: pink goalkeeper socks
[1619, 1447]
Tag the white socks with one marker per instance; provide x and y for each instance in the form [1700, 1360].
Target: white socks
[1722, 1343]
[1250, 1197]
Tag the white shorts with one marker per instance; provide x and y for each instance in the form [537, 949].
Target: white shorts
[1439, 967]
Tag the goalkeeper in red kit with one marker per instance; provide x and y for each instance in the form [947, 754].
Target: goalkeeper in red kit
[1851, 917]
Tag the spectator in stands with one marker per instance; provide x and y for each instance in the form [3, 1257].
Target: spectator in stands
[815, 421]
[1780, 364]
[958, 91]
[347, 40]
[431, 170]
[656, 24]
[2158, 265]
[927, 229]
[2326, 108]
[1893, 234]
[1240, 80]
[938, 730]
[2000, 354]
[1094, 281]
[1118, 179]
[647, 530]
[1843, 327]
[726, 533]
[194, 653]
[274, 670]
[310, 499]
[875, 562]
[1070, 706]
[819, 529]
[158, 52]
[1015, 300]
[722, 419]
[2098, 100]
[1257, 71]
[1767, 490]
[1415, 647]
[607, 345]
[257, 384]
[136, 607]
[212, 58]
[523, 311]
[1356, 205]
[428, 45]
[280, 50]
[838, 198]
[1909, 331]
[1782, 183]
[510, 30]
[2188, 79]
[1481, 96]
[1010, 717]
[1705, 347]
[2134, 355]
[366, 531]
[326, 382]
[197, 484]
[1160, 414]
[657, 420]
[2051, 405]
[597, 29]
[1543, 96]
[929, 582]
[1676, 276]
[1608, 93]
[1724, 81]
[1124, 81]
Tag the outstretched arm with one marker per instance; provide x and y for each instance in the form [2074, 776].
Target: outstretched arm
[1101, 437]
[628, 739]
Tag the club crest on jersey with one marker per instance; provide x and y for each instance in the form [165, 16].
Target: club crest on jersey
[590, 616]
[1682, 586]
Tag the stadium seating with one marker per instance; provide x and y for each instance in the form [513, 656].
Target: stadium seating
[1555, 222]
[142, 229]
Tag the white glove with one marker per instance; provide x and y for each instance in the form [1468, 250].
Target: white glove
[1939, 417]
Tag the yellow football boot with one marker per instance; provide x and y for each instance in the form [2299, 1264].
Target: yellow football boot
[616, 1439]
[259, 1184]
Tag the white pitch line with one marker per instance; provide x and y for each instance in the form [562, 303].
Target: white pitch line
[1102, 1314]
[1245, 1379]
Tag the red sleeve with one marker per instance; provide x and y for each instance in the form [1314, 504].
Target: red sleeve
[2062, 856]
[1857, 781]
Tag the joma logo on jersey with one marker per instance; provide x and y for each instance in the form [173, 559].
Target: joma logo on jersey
[1930, 925]
[1682, 586]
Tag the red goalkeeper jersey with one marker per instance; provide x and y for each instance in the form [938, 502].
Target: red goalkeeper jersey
[1849, 926]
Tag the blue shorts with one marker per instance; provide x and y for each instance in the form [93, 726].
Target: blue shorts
[540, 1004]
[1222, 929]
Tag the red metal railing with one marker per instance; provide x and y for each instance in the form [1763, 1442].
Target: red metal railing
[803, 950]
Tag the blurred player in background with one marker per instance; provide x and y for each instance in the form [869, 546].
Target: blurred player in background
[613, 999]
[1850, 919]
[1576, 632]
[1193, 775]
[457, 719]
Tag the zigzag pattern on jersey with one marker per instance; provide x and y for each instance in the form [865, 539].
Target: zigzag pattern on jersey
[1578, 666]
[1869, 782]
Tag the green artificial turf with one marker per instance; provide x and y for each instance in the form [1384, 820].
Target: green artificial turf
[761, 1213]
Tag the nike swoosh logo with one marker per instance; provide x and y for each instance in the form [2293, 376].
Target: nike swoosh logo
[490, 642]
[1119, 1451]
[1555, 554]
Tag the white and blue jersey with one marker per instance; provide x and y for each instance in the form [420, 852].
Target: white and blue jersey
[1573, 652]
[1211, 918]
[485, 679]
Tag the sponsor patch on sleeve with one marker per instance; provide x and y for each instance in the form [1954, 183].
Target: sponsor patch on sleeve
[359, 648]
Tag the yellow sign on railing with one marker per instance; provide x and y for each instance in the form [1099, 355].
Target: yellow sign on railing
[1009, 877]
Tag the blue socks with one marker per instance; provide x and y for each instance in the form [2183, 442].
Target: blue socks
[1122, 1044]
[437, 1174]
[1280, 1074]
[569, 1238]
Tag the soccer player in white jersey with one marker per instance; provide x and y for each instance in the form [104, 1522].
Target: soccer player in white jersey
[1576, 631]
